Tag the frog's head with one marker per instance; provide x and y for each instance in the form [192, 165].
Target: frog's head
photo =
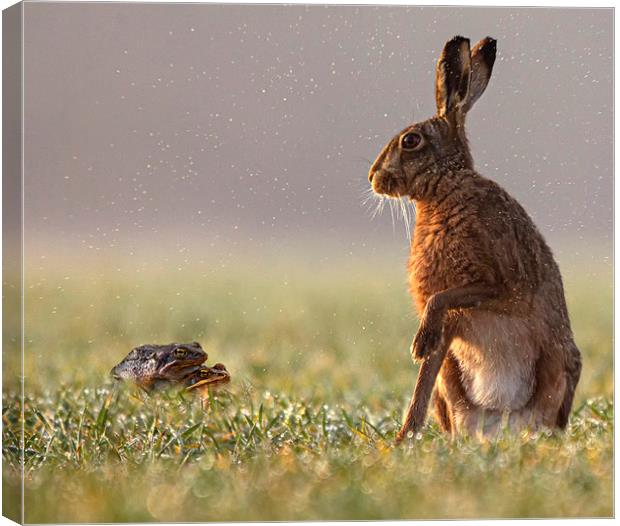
[149, 363]
[207, 378]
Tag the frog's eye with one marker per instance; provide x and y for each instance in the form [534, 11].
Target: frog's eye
[180, 352]
[204, 373]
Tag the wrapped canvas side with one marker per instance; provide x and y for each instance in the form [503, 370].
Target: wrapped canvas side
[12, 276]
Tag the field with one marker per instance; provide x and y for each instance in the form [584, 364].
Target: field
[321, 376]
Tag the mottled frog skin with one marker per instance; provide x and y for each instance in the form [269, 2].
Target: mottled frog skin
[156, 366]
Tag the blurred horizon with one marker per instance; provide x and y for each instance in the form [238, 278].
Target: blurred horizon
[184, 163]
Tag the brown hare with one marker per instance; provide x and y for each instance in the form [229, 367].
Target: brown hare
[494, 329]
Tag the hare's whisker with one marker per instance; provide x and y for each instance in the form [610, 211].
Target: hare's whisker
[401, 208]
[406, 218]
[367, 196]
[392, 214]
[365, 190]
[379, 208]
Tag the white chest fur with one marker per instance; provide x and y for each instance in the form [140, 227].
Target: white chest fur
[497, 356]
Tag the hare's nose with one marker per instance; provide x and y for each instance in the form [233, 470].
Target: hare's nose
[371, 175]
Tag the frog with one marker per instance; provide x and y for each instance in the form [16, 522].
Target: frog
[154, 367]
[206, 378]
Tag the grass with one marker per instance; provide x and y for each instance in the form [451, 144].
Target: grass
[321, 375]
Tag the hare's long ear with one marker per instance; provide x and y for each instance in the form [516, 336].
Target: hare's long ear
[482, 60]
[453, 76]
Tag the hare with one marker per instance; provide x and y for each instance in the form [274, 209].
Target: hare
[494, 327]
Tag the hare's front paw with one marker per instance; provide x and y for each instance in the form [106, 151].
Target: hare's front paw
[426, 340]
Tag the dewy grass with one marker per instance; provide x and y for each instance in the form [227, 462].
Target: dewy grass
[320, 377]
[267, 456]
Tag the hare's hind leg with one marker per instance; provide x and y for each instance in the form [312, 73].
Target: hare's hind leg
[441, 412]
[573, 372]
[461, 415]
[452, 406]
[552, 392]
[556, 379]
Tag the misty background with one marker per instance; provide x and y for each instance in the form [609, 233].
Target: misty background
[192, 129]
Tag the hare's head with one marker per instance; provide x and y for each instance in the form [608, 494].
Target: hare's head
[437, 145]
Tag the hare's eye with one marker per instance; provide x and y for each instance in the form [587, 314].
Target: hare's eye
[411, 141]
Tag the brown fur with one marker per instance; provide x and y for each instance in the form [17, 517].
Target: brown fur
[483, 279]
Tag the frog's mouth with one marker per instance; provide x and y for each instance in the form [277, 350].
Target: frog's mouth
[179, 369]
[116, 374]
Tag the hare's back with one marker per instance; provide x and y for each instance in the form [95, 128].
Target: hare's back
[522, 254]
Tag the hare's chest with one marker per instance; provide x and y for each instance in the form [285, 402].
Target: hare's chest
[429, 265]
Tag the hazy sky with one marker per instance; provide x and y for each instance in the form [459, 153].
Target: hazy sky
[224, 122]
